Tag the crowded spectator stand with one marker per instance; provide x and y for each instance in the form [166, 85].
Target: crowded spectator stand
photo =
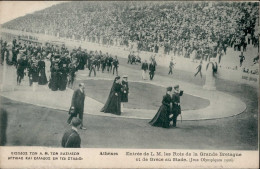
[196, 31]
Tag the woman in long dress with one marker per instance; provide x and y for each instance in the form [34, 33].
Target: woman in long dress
[42, 75]
[55, 78]
[63, 77]
[113, 103]
[35, 74]
[161, 119]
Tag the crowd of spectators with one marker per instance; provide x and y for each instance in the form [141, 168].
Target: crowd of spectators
[161, 27]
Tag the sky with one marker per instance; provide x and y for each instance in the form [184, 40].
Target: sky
[12, 9]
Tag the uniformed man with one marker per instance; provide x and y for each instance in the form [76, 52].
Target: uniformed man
[90, 59]
[98, 58]
[93, 66]
[144, 69]
[152, 68]
[176, 108]
[109, 63]
[125, 91]
[171, 67]
[71, 138]
[115, 65]
[103, 63]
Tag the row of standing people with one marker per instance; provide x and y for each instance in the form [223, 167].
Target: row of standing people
[151, 67]
[59, 68]
[95, 61]
[62, 65]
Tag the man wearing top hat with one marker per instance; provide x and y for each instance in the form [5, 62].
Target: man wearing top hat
[125, 91]
[77, 103]
[176, 108]
[71, 138]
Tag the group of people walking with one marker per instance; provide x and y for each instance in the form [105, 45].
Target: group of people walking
[117, 96]
[169, 110]
[167, 113]
[96, 61]
[52, 64]
[151, 67]
[62, 67]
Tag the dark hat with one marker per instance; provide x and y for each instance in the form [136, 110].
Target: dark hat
[176, 86]
[75, 122]
[118, 77]
[169, 89]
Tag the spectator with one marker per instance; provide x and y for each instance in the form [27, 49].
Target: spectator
[71, 138]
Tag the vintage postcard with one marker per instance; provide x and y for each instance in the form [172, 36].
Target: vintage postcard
[129, 84]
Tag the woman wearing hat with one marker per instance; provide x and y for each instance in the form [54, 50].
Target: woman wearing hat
[55, 79]
[113, 103]
[161, 119]
[42, 74]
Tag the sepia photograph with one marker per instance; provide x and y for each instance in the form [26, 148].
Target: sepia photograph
[124, 78]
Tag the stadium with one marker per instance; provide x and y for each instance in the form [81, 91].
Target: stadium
[209, 50]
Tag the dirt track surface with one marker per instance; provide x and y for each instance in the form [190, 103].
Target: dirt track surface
[150, 96]
[29, 125]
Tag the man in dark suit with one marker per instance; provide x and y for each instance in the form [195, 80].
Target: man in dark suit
[176, 108]
[109, 63]
[115, 65]
[144, 68]
[3, 126]
[71, 138]
[129, 58]
[152, 66]
[77, 103]
[93, 61]
[103, 63]
[171, 67]
[242, 58]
